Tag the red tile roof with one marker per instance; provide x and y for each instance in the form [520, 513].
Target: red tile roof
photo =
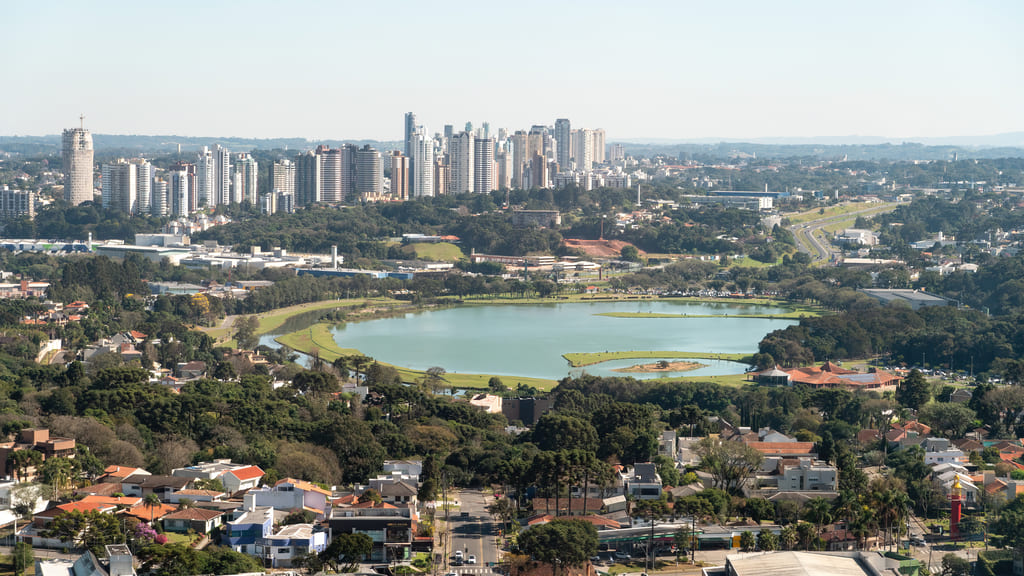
[247, 473]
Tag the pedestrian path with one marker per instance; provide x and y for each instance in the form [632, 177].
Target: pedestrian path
[476, 570]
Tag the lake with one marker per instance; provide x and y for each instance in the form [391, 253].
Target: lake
[529, 339]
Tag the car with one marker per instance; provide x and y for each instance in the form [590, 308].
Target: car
[464, 514]
[471, 559]
[452, 574]
[457, 562]
[458, 554]
[621, 556]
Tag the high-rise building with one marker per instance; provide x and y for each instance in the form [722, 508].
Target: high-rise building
[369, 176]
[422, 163]
[535, 142]
[460, 162]
[144, 190]
[77, 159]
[618, 153]
[221, 174]
[204, 191]
[583, 148]
[563, 137]
[597, 152]
[16, 204]
[330, 175]
[179, 192]
[349, 159]
[442, 177]
[483, 165]
[308, 179]
[246, 170]
[410, 128]
[539, 171]
[121, 184]
[519, 159]
[283, 176]
[399, 176]
[159, 201]
[503, 173]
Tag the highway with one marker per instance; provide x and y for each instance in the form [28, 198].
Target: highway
[808, 234]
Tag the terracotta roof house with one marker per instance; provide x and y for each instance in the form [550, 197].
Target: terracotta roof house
[144, 484]
[114, 473]
[547, 505]
[147, 514]
[200, 520]
[242, 478]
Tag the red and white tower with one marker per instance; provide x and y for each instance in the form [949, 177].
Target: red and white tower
[956, 503]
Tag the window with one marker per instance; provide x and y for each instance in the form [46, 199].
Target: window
[284, 550]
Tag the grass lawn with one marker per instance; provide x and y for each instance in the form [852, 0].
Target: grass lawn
[319, 337]
[440, 252]
[748, 262]
[578, 359]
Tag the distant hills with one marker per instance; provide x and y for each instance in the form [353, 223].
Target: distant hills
[1007, 145]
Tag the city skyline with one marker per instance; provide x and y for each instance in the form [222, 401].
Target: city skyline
[654, 70]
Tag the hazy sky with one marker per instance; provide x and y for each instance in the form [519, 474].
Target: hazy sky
[670, 69]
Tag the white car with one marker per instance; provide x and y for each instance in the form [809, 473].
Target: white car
[471, 559]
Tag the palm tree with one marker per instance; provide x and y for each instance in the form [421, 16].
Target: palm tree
[818, 511]
[151, 502]
[789, 537]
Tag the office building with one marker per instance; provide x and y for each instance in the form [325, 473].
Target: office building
[308, 179]
[369, 175]
[246, 169]
[483, 165]
[460, 162]
[399, 176]
[77, 160]
[563, 137]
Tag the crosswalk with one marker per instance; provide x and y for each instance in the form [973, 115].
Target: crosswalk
[461, 571]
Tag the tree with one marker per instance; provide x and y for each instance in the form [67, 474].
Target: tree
[57, 472]
[555, 431]
[760, 509]
[23, 460]
[245, 332]
[349, 548]
[767, 540]
[629, 253]
[22, 556]
[1011, 526]
[818, 511]
[747, 541]
[789, 537]
[568, 543]
[953, 565]
[914, 392]
[730, 464]
[496, 385]
[151, 502]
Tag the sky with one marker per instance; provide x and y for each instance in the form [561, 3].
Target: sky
[670, 69]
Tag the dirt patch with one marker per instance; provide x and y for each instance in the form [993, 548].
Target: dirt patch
[598, 248]
[659, 367]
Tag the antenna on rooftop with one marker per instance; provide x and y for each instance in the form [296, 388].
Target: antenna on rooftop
[81, 121]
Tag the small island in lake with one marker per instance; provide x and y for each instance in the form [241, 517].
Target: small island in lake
[662, 366]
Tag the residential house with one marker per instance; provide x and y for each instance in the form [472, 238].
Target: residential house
[390, 527]
[410, 468]
[830, 375]
[807, 474]
[961, 396]
[142, 485]
[291, 542]
[32, 533]
[247, 526]
[116, 474]
[195, 495]
[240, 479]
[199, 520]
[570, 506]
[398, 493]
[12, 495]
[642, 482]
[667, 444]
[191, 370]
[292, 495]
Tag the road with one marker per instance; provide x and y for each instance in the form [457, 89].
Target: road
[807, 233]
[475, 533]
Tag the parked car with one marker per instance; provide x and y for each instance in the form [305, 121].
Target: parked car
[620, 555]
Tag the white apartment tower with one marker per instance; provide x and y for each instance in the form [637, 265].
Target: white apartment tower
[460, 162]
[77, 159]
[283, 176]
[205, 175]
[246, 169]
[160, 201]
[180, 204]
[583, 149]
[421, 162]
[483, 165]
